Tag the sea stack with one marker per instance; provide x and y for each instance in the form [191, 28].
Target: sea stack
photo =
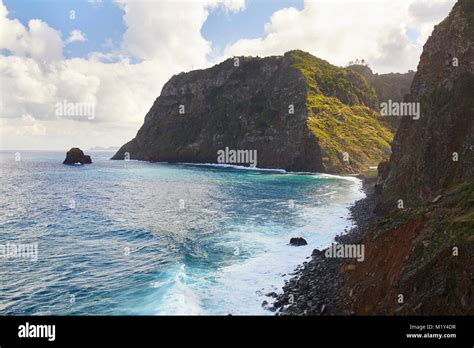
[76, 155]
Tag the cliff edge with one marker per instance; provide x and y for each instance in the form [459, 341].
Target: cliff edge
[298, 112]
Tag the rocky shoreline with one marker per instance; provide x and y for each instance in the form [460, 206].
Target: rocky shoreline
[317, 286]
[418, 255]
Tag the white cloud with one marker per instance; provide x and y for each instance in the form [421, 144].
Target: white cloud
[36, 76]
[30, 133]
[25, 126]
[165, 38]
[76, 36]
[340, 31]
[170, 30]
[424, 14]
[38, 40]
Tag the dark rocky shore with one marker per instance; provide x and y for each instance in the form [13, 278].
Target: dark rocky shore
[419, 254]
[317, 287]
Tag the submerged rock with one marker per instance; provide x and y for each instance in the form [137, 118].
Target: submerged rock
[298, 241]
[76, 155]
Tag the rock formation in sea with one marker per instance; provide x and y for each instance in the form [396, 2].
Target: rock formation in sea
[298, 241]
[76, 155]
[298, 112]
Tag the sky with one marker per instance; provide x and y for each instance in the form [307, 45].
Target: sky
[114, 56]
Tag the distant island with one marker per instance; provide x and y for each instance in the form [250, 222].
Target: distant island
[101, 148]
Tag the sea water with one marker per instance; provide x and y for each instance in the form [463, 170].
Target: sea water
[130, 237]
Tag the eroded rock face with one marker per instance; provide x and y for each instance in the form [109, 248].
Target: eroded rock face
[76, 155]
[436, 151]
[424, 252]
[244, 107]
[286, 108]
[391, 86]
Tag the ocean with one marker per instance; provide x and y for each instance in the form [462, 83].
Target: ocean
[139, 238]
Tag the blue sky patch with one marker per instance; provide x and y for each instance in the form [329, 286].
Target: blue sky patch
[103, 26]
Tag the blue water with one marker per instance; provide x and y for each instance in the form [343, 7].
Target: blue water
[152, 238]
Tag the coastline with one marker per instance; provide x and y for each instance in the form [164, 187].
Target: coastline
[317, 287]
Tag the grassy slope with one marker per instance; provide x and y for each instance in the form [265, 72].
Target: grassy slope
[392, 86]
[340, 114]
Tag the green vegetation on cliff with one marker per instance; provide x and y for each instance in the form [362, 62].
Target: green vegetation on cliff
[334, 127]
[391, 86]
[340, 106]
[425, 251]
[431, 265]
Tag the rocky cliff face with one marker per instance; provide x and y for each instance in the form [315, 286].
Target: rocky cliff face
[391, 86]
[291, 109]
[241, 104]
[436, 151]
[420, 256]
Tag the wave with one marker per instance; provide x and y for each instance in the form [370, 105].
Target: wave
[233, 166]
[179, 297]
[241, 287]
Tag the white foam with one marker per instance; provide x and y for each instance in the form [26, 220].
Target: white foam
[241, 287]
[233, 166]
[180, 298]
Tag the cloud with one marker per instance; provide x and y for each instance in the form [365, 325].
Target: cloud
[424, 14]
[430, 10]
[38, 40]
[340, 31]
[122, 91]
[26, 125]
[170, 30]
[163, 38]
[30, 133]
[35, 76]
[75, 36]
